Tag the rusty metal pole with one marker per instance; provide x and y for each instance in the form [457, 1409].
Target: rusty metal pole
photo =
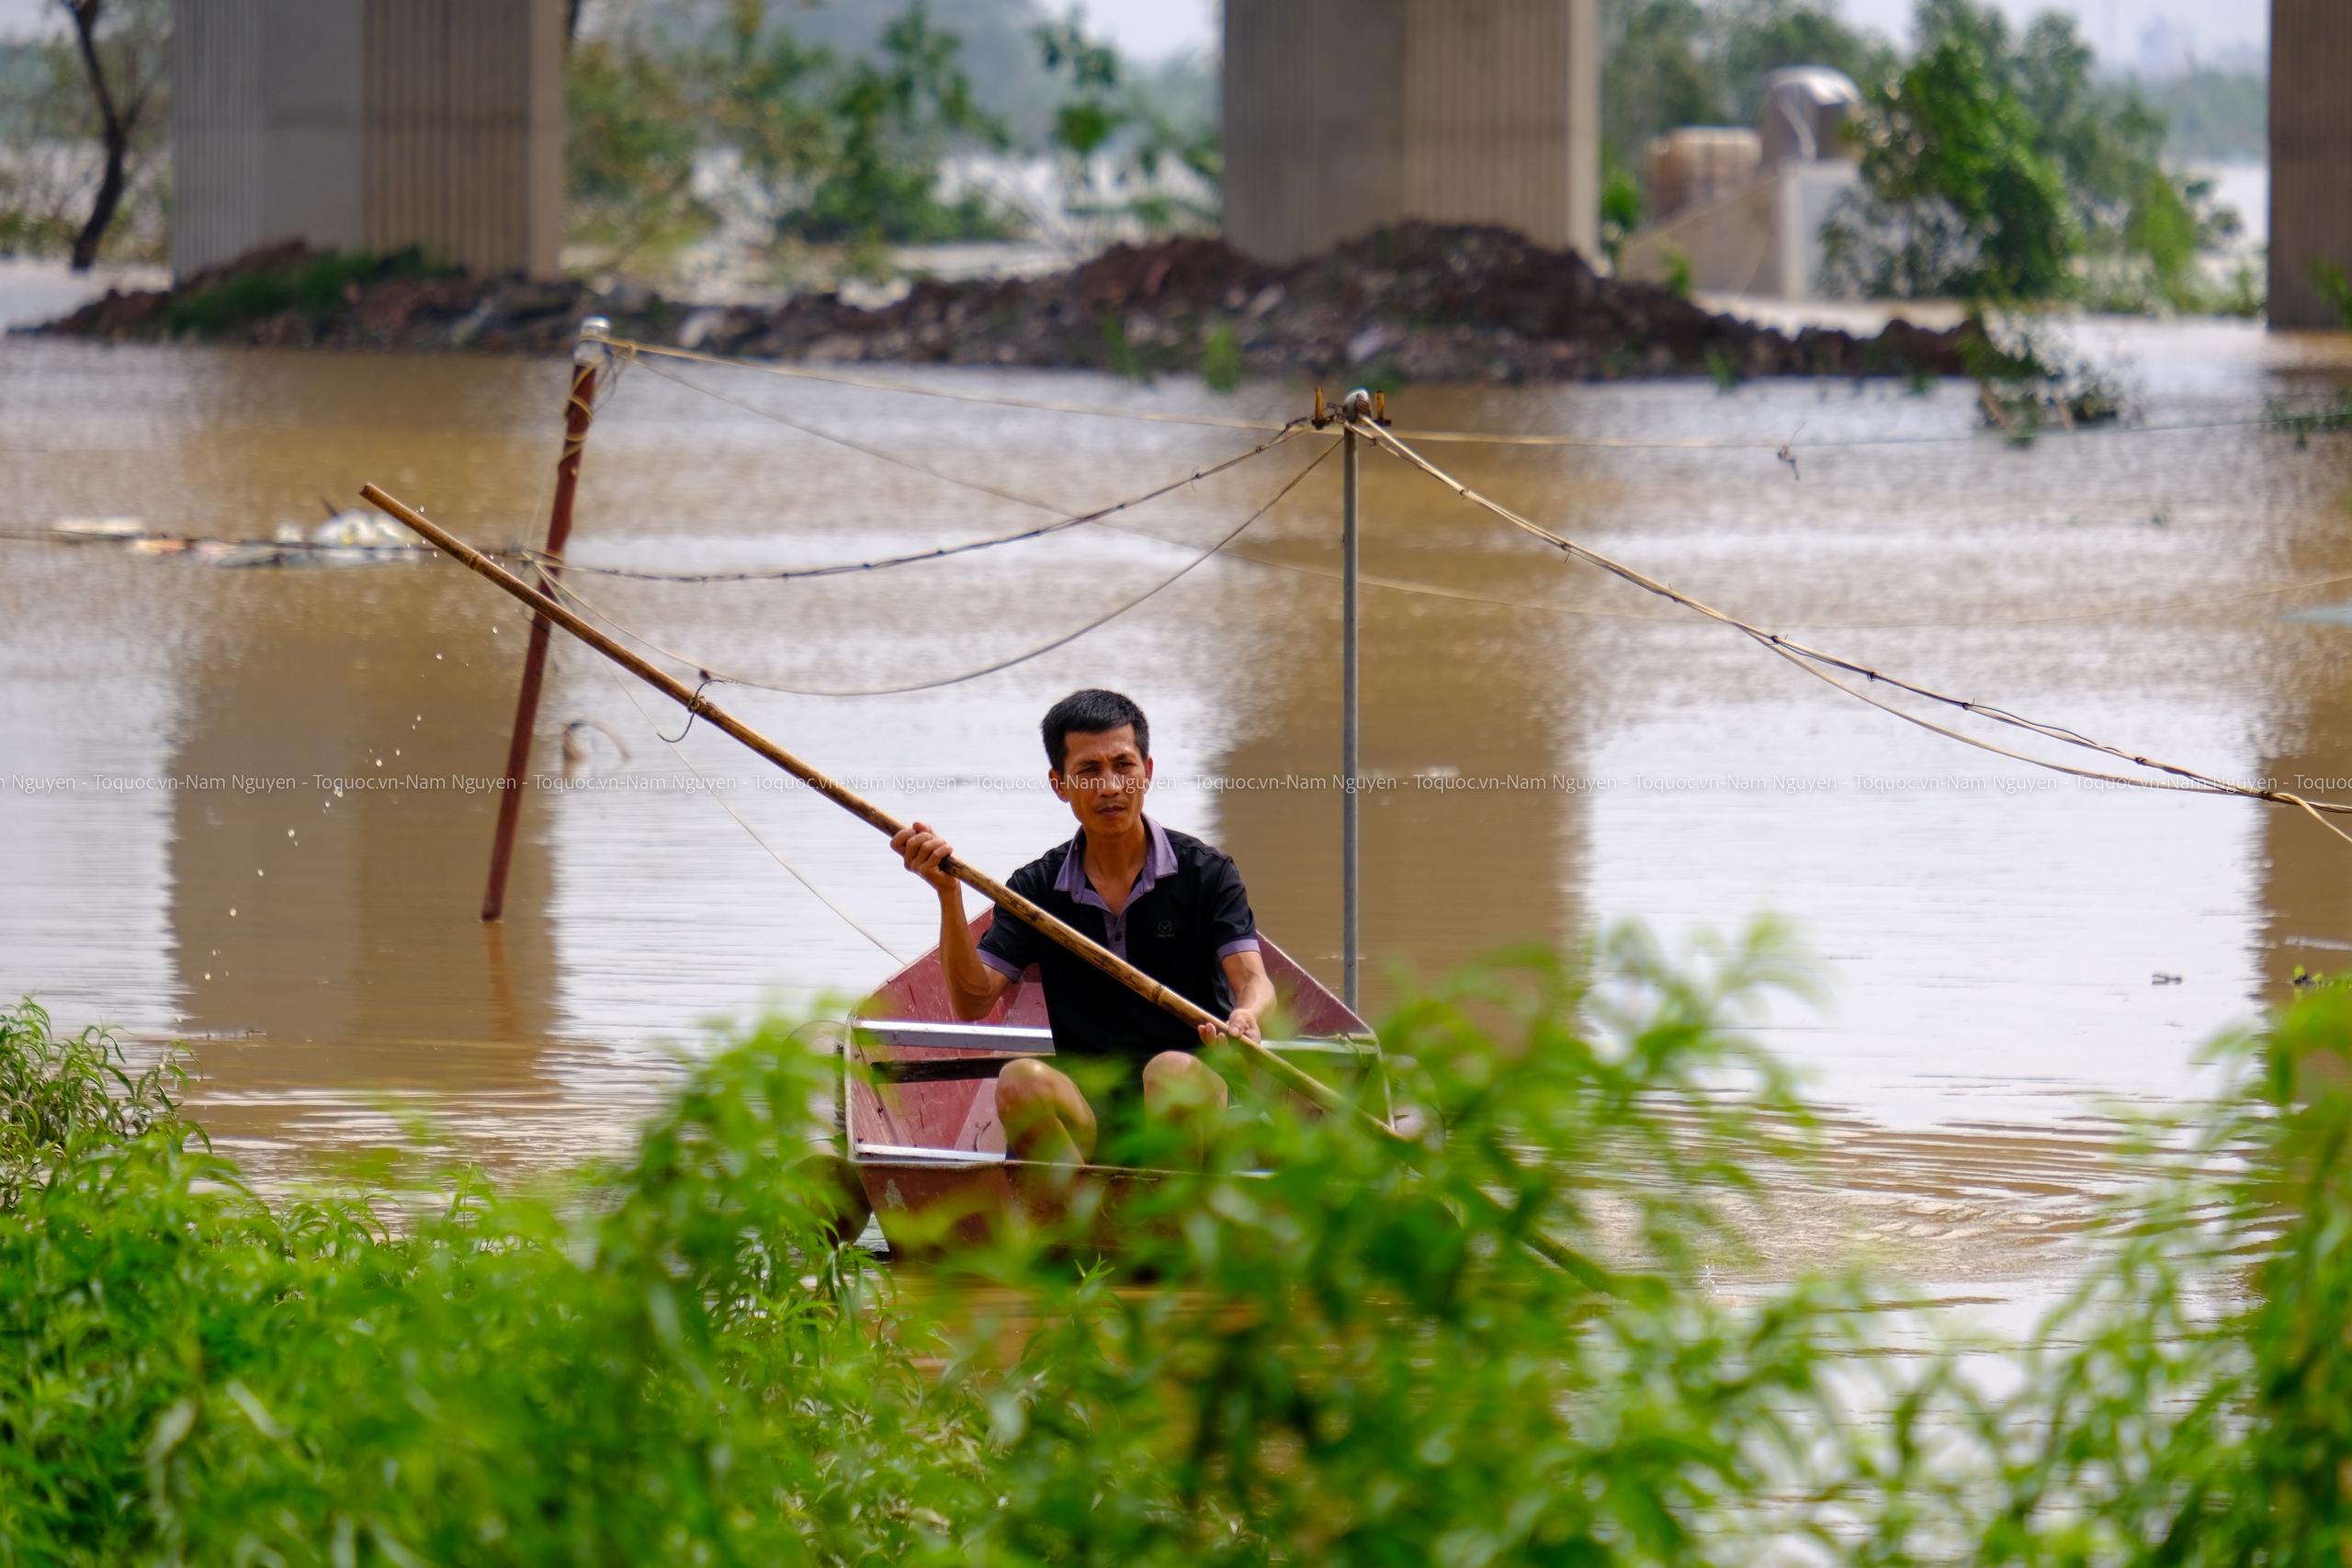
[578, 410]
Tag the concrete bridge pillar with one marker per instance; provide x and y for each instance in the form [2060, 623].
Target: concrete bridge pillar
[2310, 156]
[1345, 116]
[369, 124]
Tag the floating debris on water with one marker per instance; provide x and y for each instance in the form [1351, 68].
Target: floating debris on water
[356, 537]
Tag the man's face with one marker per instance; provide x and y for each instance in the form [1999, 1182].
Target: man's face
[1103, 778]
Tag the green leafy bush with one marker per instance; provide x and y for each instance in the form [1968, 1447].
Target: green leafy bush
[318, 284]
[1495, 1345]
[812, 149]
[1353, 1356]
[1999, 166]
[62, 1097]
[1221, 365]
[1959, 202]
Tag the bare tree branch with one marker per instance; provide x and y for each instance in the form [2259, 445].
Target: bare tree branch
[113, 130]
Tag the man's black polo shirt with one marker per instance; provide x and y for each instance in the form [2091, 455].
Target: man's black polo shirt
[1187, 911]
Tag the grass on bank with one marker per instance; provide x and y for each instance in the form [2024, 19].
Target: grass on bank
[318, 284]
[1349, 1359]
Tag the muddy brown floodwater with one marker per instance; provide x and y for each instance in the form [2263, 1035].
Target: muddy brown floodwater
[237, 806]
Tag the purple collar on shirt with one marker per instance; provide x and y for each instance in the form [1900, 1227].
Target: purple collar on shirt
[1159, 863]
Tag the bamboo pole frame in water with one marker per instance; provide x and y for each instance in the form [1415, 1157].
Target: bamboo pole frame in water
[579, 410]
[1291, 1076]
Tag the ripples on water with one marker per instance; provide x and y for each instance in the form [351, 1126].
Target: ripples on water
[1990, 939]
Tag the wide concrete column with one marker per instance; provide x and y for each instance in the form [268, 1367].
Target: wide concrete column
[373, 124]
[266, 127]
[1346, 115]
[2311, 155]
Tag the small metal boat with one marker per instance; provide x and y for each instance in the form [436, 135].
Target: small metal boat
[920, 1095]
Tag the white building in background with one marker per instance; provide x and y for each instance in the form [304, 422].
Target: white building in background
[1741, 212]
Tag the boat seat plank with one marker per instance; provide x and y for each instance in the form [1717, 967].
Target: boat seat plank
[944, 1069]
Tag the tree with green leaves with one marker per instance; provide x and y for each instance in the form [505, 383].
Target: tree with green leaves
[1114, 141]
[889, 126]
[672, 133]
[1999, 166]
[1959, 199]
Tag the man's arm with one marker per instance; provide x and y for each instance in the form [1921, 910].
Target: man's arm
[1253, 993]
[972, 986]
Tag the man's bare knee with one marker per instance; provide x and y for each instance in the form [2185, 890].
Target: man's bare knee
[1042, 1113]
[1023, 1080]
[1179, 1080]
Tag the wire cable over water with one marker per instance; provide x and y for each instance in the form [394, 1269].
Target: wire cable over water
[570, 593]
[773, 853]
[844, 569]
[628, 346]
[1820, 664]
[1813, 661]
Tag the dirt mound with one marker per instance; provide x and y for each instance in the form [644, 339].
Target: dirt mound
[1420, 302]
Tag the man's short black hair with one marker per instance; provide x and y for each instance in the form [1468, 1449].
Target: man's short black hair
[1091, 712]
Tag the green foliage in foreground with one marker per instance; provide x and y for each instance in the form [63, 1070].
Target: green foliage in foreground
[1318, 1350]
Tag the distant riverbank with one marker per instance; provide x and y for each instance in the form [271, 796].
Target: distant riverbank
[1419, 304]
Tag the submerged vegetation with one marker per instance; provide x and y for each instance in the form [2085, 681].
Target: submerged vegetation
[1319, 1349]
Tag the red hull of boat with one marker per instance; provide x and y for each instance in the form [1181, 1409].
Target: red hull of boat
[930, 1154]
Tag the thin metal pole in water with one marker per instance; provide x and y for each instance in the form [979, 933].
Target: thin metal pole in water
[1348, 729]
[579, 408]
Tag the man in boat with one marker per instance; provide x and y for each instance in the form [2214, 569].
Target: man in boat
[1167, 903]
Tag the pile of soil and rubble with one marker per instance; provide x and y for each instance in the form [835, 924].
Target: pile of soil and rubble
[1421, 302]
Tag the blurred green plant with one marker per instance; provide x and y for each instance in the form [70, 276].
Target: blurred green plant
[1114, 141]
[635, 133]
[1960, 201]
[2335, 289]
[1998, 166]
[318, 284]
[1317, 1346]
[1221, 366]
[673, 135]
[2303, 421]
[890, 124]
[2029, 381]
[1680, 277]
[1352, 1357]
[62, 1096]
[1621, 205]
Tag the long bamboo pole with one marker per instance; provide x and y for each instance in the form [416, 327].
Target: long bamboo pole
[1351, 757]
[988, 887]
[579, 409]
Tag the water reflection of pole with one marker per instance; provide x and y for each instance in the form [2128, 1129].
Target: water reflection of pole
[1347, 734]
[579, 408]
